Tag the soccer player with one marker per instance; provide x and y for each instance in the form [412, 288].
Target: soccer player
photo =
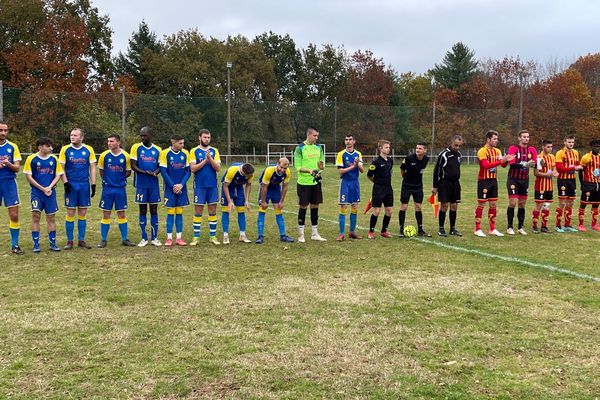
[115, 168]
[175, 170]
[567, 163]
[349, 164]
[590, 185]
[446, 184]
[43, 171]
[205, 163]
[273, 187]
[235, 191]
[380, 173]
[78, 162]
[412, 169]
[544, 189]
[309, 161]
[517, 181]
[145, 165]
[10, 162]
[490, 158]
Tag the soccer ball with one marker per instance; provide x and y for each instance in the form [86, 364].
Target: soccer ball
[410, 231]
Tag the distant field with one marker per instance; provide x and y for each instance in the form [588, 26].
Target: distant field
[414, 318]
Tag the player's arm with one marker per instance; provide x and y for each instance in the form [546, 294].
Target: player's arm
[215, 162]
[28, 174]
[188, 172]
[284, 189]
[163, 168]
[263, 196]
[225, 189]
[339, 163]
[403, 168]
[359, 164]
[371, 172]
[247, 190]
[436, 171]
[127, 164]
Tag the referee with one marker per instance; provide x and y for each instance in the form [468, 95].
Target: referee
[380, 173]
[446, 183]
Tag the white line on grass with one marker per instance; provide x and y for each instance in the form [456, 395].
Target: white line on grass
[490, 255]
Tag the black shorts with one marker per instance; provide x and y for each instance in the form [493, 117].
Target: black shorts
[544, 197]
[590, 193]
[409, 190]
[449, 191]
[487, 190]
[517, 188]
[382, 195]
[309, 194]
[566, 188]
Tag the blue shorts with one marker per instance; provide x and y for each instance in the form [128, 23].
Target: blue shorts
[9, 192]
[147, 195]
[237, 195]
[173, 200]
[113, 198]
[206, 195]
[40, 202]
[273, 195]
[349, 191]
[79, 196]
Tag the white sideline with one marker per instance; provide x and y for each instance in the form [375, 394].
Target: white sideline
[486, 254]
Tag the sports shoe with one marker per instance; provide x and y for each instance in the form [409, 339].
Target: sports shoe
[260, 240]
[213, 240]
[569, 229]
[510, 231]
[596, 227]
[496, 232]
[522, 231]
[102, 244]
[226, 238]
[16, 250]
[180, 242]
[156, 242]
[286, 239]
[127, 243]
[143, 243]
[69, 245]
[317, 237]
[422, 233]
[401, 234]
[371, 235]
[581, 228]
[353, 235]
[244, 238]
[36, 249]
[535, 230]
[54, 247]
[454, 232]
[442, 232]
[544, 229]
[480, 233]
[385, 234]
[83, 245]
[340, 237]
[301, 238]
[194, 242]
[558, 229]
[169, 242]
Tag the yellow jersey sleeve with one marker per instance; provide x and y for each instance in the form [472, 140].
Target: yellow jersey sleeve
[162, 158]
[268, 175]
[62, 158]
[187, 157]
[27, 166]
[16, 152]
[133, 151]
[586, 159]
[339, 160]
[127, 161]
[217, 156]
[482, 153]
[231, 171]
[92, 153]
[59, 168]
[101, 159]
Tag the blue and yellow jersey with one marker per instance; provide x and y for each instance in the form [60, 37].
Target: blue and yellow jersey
[114, 167]
[147, 159]
[207, 176]
[76, 162]
[42, 170]
[8, 152]
[234, 177]
[345, 159]
[176, 163]
[273, 179]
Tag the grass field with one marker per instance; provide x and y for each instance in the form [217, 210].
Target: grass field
[389, 318]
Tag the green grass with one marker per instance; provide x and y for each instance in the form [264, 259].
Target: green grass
[369, 319]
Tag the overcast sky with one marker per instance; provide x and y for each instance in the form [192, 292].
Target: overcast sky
[409, 35]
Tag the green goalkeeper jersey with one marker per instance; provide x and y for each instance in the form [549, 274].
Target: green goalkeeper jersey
[307, 156]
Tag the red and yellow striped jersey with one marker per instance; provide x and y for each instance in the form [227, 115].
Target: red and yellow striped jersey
[591, 167]
[545, 164]
[566, 160]
[486, 156]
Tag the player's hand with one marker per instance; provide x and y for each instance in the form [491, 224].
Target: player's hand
[230, 206]
[320, 165]
[177, 188]
[208, 155]
[280, 205]
[555, 173]
[578, 167]
[93, 193]
[434, 190]
[531, 164]
[314, 172]
[263, 205]
[48, 191]
[247, 206]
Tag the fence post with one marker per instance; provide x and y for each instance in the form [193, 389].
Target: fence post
[123, 141]
[1, 101]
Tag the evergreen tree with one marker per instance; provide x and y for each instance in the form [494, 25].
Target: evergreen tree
[458, 66]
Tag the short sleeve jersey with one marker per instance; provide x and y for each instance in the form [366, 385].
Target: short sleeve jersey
[307, 156]
[176, 163]
[114, 167]
[591, 167]
[206, 177]
[76, 161]
[273, 179]
[42, 170]
[234, 177]
[345, 159]
[381, 171]
[413, 169]
[147, 160]
[8, 152]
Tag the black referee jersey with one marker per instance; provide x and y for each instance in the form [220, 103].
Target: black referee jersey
[447, 167]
